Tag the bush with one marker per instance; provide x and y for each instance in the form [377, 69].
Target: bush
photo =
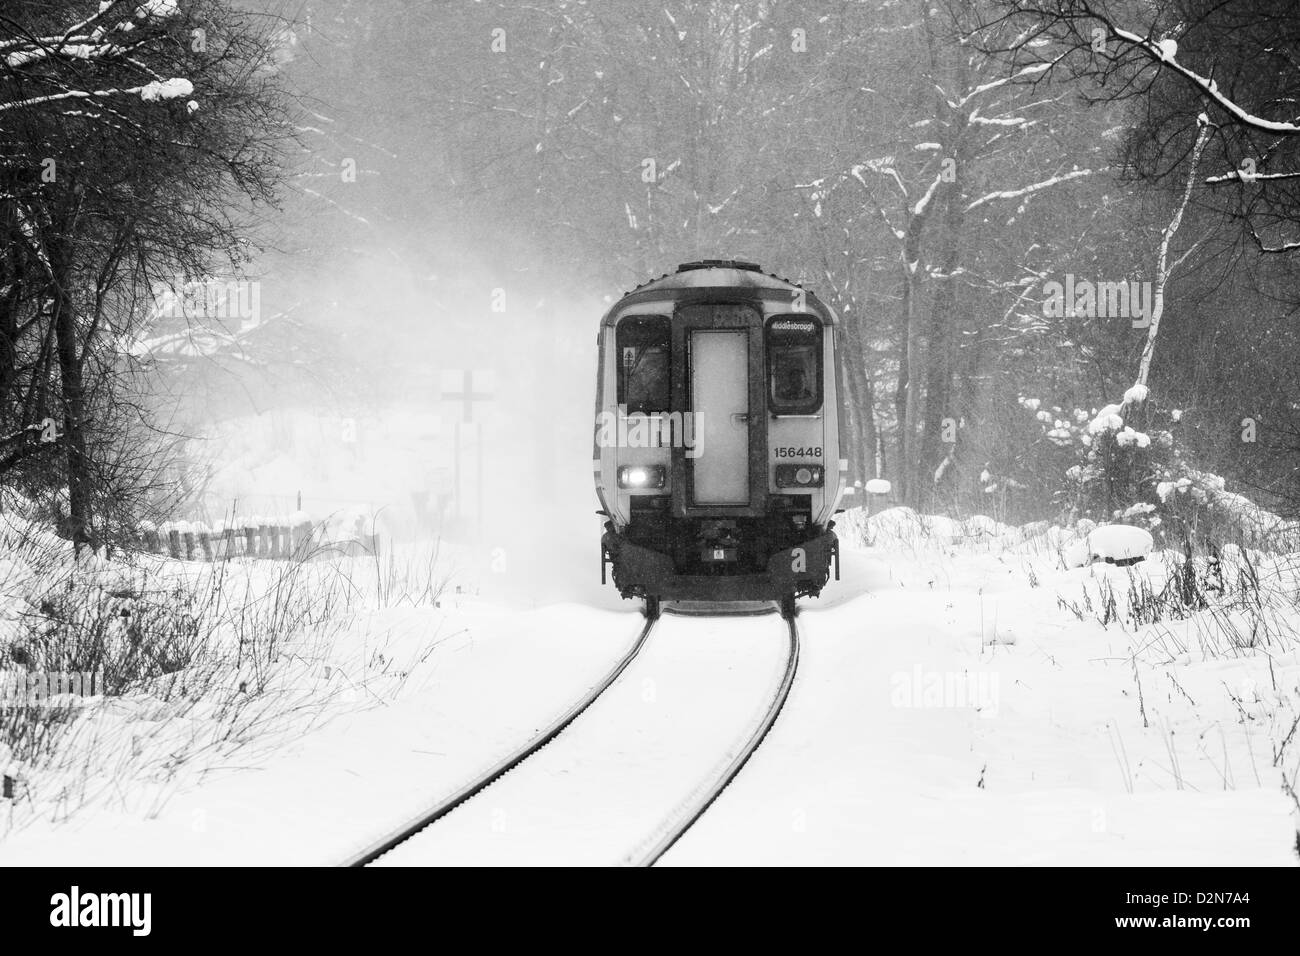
[1124, 463]
[125, 636]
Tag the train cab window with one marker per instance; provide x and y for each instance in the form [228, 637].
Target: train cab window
[644, 345]
[794, 365]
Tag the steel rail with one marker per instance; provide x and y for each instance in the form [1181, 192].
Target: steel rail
[662, 844]
[484, 780]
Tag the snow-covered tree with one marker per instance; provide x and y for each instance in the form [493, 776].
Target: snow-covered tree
[133, 138]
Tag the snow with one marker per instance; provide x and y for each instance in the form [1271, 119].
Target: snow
[172, 89]
[922, 203]
[1109, 419]
[589, 798]
[1129, 437]
[1027, 190]
[1136, 395]
[1166, 488]
[1119, 542]
[1034, 784]
[1005, 750]
[1162, 52]
[950, 709]
[327, 792]
[157, 9]
[1256, 523]
[1031, 70]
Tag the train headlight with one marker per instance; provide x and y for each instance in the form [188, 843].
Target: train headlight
[799, 476]
[641, 476]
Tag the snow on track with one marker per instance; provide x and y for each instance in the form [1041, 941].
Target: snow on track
[863, 769]
[638, 756]
[496, 679]
[427, 816]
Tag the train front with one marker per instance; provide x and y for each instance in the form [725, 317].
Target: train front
[718, 439]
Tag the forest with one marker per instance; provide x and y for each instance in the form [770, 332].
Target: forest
[1060, 235]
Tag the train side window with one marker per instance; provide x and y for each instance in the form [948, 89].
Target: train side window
[644, 344]
[794, 365]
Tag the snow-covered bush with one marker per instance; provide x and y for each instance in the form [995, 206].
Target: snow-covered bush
[1202, 509]
[1090, 463]
[128, 637]
[1122, 463]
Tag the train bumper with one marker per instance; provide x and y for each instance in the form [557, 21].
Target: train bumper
[797, 571]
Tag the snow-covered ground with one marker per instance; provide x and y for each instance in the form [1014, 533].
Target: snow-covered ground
[979, 725]
[959, 700]
[486, 680]
[603, 788]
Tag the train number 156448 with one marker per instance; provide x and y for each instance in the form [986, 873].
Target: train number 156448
[809, 452]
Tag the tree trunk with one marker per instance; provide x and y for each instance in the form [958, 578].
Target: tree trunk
[73, 392]
[862, 414]
[941, 338]
[1162, 261]
[907, 398]
[11, 279]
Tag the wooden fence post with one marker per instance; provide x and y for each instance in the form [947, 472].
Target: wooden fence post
[302, 534]
[149, 531]
[204, 534]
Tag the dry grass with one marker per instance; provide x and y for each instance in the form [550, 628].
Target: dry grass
[204, 665]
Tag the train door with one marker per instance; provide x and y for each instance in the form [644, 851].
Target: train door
[720, 404]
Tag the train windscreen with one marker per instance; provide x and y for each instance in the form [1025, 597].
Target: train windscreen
[794, 365]
[644, 370]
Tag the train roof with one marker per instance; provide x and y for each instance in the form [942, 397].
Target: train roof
[718, 274]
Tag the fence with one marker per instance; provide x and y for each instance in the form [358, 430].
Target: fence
[271, 538]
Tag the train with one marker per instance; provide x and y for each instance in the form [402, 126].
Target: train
[720, 443]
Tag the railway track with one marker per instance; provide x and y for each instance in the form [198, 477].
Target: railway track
[695, 808]
[674, 824]
[505, 765]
